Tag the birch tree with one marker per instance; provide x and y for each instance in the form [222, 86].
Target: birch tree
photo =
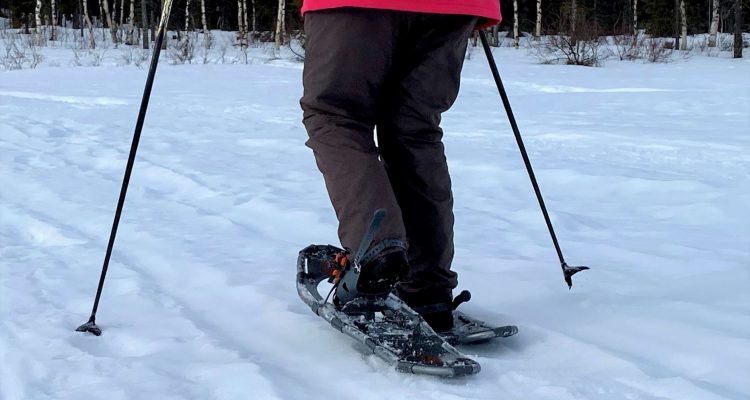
[104, 4]
[280, 24]
[122, 11]
[203, 17]
[515, 24]
[241, 25]
[38, 18]
[87, 18]
[187, 15]
[714, 24]
[538, 30]
[131, 22]
[244, 21]
[683, 26]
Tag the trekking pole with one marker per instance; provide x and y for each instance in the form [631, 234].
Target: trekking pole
[567, 270]
[91, 326]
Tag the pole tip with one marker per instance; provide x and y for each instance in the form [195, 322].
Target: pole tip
[90, 327]
[569, 271]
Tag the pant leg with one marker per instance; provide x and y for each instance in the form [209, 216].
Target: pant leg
[411, 145]
[349, 54]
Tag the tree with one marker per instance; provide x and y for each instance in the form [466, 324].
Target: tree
[280, 27]
[203, 19]
[144, 25]
[515, 24]
[122, 12]
[738, 29]
[635, 18]
[187, 15]
[104, 5]
[573, 14]
[538, 28]
[242, 21]
[255, 30]
[683, 26]
[131, 22]
[38, 17]
[53, 34]
[714, 24]
[87, 18]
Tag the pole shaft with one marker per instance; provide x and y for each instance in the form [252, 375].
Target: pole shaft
[131, 156]
[521, 147]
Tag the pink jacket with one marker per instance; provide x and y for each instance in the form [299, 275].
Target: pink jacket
[488, 10]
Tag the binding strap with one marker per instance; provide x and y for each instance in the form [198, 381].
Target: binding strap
[387, 244]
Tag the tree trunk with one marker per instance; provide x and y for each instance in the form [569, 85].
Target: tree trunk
[280, 24]
[676, 28]
[255, 30]
[515, 24]
[538, 30]
[166, 27]
[152, 24]
[240, 22]
[683, 26]
[635, 18]
[122, 12]
[38, 17]
[144, 25]
[714, 24]
[112, 28]
[53, 35]
[79, 11]
[131, 22]
[187, 15]
[244, 19]
[738, 29]
[87, 18]
[203, 18]
[101, 20]
[573, 15]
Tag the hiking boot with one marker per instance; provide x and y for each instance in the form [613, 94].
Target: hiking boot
[376, 278]
[435, 308]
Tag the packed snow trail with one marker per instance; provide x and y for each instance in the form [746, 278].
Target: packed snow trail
[645, 169]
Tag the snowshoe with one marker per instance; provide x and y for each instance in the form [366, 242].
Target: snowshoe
[382, 325]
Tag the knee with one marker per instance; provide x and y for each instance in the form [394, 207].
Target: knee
[334, 132]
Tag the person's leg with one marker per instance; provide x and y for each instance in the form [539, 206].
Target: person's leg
[348, 55]
[411, 145]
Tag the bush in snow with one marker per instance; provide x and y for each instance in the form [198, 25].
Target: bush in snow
[21, 51]
[567, 49]
[133, 55]
[181, 51]
[577, 43]
[88, 57]
[658, 50]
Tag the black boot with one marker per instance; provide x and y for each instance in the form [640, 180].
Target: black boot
[376, 278]
[435, 308]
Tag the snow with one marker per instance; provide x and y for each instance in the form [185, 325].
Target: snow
[644, 167]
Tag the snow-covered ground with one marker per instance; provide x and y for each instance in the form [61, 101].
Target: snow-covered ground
[645, 168]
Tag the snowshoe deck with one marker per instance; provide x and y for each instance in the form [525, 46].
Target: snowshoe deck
[384, 326]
